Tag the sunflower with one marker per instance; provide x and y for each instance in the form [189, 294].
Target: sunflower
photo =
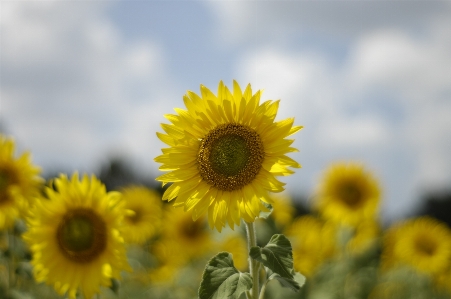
[19, 183]
[191, 238]
[283, 209]
[180, 242]
[144, 214]
[423, 243]
[365, 235]
[74, 236]
[237, 246]
[313, 241]
[225, 153]
[348, 194]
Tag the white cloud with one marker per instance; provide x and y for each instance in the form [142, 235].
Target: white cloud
[386, 103]
[74, 89]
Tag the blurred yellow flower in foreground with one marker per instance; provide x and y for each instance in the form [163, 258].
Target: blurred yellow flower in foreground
[225, 152]
[19, 183]
[422, 243]
[348, 194]
[313, 242]
[143, 219]
[74, 236]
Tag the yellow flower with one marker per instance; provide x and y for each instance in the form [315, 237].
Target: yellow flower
[236, 245]
[191, 238]
[74, 236]
[225, 153]
[181, 241]
[422, 243]
[313, 242]
[348, 194]
[365, 236]
[170, 258]
[283, 209]
[145, 212]
[19, 183]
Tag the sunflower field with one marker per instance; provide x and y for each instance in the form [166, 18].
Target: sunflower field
[221, 225]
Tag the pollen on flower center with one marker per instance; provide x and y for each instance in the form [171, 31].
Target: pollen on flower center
[230, 156]
[82, 235]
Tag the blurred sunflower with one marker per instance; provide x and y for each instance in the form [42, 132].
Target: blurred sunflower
[365, 235]
[193, 238]
[283, 209]
[144, 214]
[237, 246]
[180, 242]
[19, 183]
[74, 236]
[170, 258]
[348, 194]
[423, 243]
[225, 153]
[313, 242]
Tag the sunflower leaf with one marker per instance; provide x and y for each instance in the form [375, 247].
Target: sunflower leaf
[222, 280]
[295, 284]
[277, 256]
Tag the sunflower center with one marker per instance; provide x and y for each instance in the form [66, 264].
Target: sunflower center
[351, 195]
[192, 229]
[136, 217]
[425, 245]
[82, 235]
[230, 156]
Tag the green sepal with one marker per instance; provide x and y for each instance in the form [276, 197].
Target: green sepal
[277, 256]
[264, 214]
[222, 280]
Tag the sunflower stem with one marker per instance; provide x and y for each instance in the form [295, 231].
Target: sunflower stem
[262, 292]
[254, 265]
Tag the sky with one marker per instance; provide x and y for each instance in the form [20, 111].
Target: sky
[370, 81]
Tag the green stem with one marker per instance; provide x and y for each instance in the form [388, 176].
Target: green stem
[253, 264]
[262, 291]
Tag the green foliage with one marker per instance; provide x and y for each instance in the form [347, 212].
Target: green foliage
[222, 280]
[277, 257]
[295, 283]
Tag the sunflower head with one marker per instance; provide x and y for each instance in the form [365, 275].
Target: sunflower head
[225, 152]
[74, 236]
[348, 194]
[144, 213]
[191, 238]
[422, 243]
[19, 183]
[313, 241]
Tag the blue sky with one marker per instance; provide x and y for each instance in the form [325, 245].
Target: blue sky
[82, 81]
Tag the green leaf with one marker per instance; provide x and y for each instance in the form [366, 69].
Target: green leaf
[295, 284]
[222, 280]
[263, 214]
[277, 255]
